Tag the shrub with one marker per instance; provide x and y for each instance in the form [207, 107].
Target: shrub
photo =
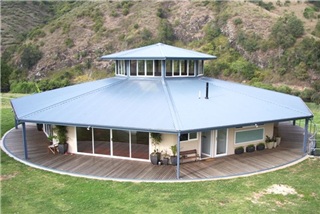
[166, 33]
[316, 98]
[306, 94]
[308, 13]
[317, 29]
[237, 21]
[30, 56]
[286, 30]
[23, 87]
[161, 13]
[36, 33]
[69, 42]
[250, 42]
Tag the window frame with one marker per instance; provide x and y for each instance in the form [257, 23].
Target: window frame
[188, 138]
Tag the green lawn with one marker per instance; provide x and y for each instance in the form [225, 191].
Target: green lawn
[28, 190]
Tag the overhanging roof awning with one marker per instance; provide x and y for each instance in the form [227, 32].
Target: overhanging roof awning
[152, 104]
[158, 51]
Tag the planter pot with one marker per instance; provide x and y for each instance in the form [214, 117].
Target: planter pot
[250, 149]
[269, 145]
[155, 158]
[63, 148]
[278, 139]
[39, 127]
[238, 151]
[260, 147]
[173, 160]
[165, 161]
[275, 144]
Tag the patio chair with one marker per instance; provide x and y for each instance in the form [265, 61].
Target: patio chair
[53, 148]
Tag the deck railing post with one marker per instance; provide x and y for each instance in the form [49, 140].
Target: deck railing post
[24, 136]
[16, 123]
[178, 156]
[306, 134]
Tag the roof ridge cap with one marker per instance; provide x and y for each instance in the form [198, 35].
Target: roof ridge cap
[173, 110]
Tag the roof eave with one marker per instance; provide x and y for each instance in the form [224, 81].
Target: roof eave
[158, 58]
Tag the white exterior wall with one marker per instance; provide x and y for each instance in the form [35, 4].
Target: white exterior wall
[268, 130]
[169, 140]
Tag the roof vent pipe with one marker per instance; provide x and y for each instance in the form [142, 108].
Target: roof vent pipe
[207, 90]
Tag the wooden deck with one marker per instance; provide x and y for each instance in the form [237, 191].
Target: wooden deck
[289, 151]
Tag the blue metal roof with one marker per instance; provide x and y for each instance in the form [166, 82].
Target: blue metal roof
[157, 104]
[158, 51]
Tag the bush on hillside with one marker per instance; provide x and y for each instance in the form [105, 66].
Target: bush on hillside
[30, 56]
[286, 30]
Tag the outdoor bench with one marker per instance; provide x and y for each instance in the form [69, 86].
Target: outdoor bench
[188, 154]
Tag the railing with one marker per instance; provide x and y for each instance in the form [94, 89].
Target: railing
[313, 130]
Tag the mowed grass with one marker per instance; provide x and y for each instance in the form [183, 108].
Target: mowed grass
[28, 190]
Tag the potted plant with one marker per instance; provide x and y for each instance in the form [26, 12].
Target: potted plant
[238, 150]
[173, 158]
[155, 155]
[260, 146]
[51, 138]
[250, 148]
[165, 159]
[62, 138]
[269, 142]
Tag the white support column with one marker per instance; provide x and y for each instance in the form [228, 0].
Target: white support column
[178, 156]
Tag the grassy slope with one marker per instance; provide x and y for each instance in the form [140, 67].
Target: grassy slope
[28, 190]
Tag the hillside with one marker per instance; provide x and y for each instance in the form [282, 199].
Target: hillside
[247, 37]
[18, 18]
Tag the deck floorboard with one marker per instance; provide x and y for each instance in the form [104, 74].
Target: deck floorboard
[289, 150]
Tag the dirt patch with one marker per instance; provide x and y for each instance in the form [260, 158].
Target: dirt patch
[7, 177]
[279, 189]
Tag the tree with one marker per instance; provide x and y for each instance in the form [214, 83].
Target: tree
[5, 74]
[166, 34]
[286, 30]
[30, 56]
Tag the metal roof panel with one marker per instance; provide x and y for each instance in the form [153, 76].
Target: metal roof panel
[158, 51]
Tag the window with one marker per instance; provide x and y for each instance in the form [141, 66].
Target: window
[169, 67]
[140, 145]
[120, 68]
[133, 68]
[191, 68]
[176, 67]
[249, 135]
[157, 68]
[189, 136]
[200, 67]
[84, 140]
[149, 67]
[184, 67]
[140, 67]
[101, 141]
[120, 143]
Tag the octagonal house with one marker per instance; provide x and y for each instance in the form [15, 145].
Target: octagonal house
[160, 89]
